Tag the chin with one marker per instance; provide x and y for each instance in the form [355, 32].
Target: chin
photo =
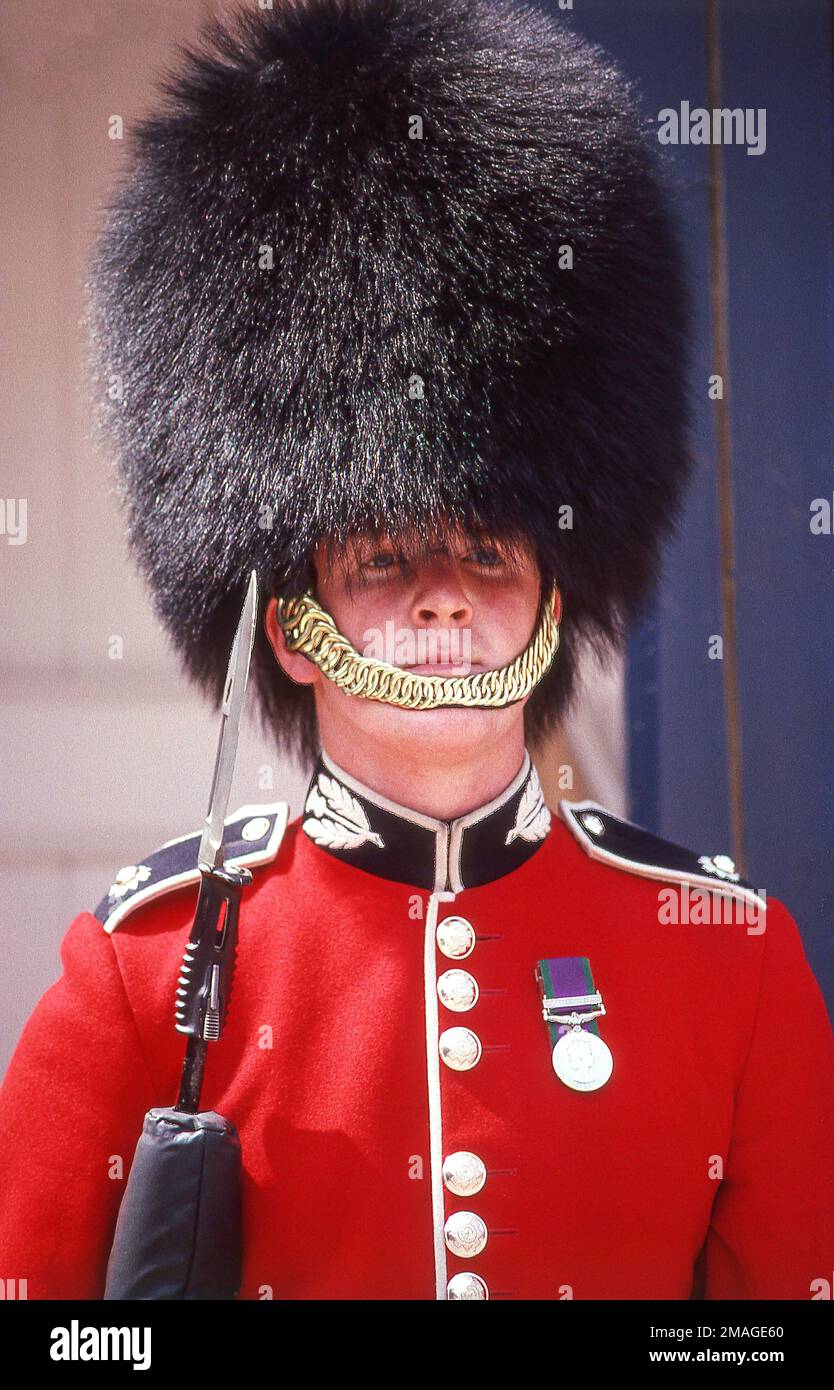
[437, 729]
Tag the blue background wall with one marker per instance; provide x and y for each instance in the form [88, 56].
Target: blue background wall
[778, 255]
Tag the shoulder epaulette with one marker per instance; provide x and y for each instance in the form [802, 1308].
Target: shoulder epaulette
[252, 836]
[619, 842]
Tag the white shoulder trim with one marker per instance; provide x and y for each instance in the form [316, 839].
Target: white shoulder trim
[646, 864]
[261, 853]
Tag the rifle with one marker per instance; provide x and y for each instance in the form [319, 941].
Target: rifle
[179, 1232]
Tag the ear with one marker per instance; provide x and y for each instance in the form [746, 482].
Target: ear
[556, 600]
[293, 664]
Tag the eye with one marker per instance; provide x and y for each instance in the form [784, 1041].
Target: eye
[382, 562]
[486, 556]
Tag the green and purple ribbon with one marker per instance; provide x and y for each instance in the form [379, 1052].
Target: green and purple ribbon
[566, 977]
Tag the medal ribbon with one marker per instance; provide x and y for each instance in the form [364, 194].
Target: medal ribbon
[566, 977]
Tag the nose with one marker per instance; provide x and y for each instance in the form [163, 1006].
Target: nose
[439, 597]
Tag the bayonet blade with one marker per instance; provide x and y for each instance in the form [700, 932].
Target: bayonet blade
[237, 675]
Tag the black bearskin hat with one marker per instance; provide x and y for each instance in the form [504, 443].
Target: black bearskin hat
[378, 264]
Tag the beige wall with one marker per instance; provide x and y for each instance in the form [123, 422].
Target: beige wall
[101, 759]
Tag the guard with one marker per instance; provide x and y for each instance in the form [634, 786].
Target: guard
[389, 308]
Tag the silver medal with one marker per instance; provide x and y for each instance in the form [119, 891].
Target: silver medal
[582, 1060]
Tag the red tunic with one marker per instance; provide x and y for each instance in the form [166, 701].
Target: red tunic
[713, 1136]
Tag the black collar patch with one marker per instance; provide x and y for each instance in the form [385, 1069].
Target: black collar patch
[252, 836]
[354, 823]
[624, 845]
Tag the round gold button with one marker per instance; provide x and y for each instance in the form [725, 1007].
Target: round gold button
[466, 1285]
[460, 1048]
[455, 937]
[464, 1173]
[465, 1234]
[457, 990]
[255, 829]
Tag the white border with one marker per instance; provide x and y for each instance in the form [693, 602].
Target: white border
[606, 856]
[448, 835]
[472, 818]
[433, 1082]
[280, 809]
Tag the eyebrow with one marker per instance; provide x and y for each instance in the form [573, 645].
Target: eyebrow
[360, 549]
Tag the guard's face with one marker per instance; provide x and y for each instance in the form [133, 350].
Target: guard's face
[472, 606]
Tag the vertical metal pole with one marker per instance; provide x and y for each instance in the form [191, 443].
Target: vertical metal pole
[721, 360]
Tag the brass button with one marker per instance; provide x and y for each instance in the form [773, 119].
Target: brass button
[464, 1173]
[465, 1234]
[255, 829]
[457, 990]
[466, 1285]
[460, 1048]
[455, 937]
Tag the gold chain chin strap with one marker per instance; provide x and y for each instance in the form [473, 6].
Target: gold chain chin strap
[309, 629]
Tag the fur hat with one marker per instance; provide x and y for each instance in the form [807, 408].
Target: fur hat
[376, 264]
